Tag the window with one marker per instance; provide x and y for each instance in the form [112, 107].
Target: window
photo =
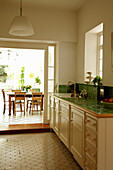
[94, 52]
[51, 69]
[99, 53]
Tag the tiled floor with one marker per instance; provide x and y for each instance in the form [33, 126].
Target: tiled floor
[43, 151]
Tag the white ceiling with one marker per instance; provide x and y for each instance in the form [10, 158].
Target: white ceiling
[69, 5]
[66, 5]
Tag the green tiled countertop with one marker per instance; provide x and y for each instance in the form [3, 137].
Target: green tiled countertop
[92, 105]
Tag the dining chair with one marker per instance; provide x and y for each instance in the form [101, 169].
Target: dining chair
[36, 101]
[19, 99]
[29, 100]
[5, 101]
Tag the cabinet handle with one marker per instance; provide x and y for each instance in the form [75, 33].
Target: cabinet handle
[94, 139]
[88, 120]
[71, 120]
[93, 154]
[94, 124]
[87, 134]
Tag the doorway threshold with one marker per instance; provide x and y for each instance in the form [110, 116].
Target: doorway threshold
[24, 128]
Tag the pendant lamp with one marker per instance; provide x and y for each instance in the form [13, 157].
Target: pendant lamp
[21, 25]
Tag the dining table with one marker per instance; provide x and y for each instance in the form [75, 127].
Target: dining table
[28, 95]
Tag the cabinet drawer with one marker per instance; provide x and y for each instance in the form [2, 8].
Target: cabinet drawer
[91, 152]
[91, 137]
[89, 165]
[91, 122]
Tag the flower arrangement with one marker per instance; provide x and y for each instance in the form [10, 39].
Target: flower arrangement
[28, 87]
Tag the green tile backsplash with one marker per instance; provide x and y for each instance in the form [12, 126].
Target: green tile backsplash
[92, 90]
[64, 89]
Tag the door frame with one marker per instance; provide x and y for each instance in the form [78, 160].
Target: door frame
[33, 44]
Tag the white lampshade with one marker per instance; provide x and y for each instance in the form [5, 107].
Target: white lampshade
[21, 26]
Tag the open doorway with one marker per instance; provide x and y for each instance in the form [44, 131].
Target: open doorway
[19, 69]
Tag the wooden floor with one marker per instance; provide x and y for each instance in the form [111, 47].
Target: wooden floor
[24, 128]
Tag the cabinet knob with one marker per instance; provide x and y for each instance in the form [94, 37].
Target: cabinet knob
[93, 154]
[94, 139]
[88, 120]
[94, 124]
[87, 134]
[71, 120]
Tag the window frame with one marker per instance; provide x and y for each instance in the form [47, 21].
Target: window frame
[54, 79]
[99, 47]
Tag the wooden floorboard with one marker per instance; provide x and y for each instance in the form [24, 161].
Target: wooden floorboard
[24, 128]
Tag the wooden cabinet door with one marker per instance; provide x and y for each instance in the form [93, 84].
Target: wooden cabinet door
[56, 117]
[64, 123]
[77, 135]
[51, 109]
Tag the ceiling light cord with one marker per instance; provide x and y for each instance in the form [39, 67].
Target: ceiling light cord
[21, 10]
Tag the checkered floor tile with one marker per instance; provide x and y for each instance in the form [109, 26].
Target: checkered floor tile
[42, 151]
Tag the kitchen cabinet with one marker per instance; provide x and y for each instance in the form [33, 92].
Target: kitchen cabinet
[77, 135]
[56, 116]
[89, 136]
[51, 110]
[96, 143]
[90, 142]
[64, 123]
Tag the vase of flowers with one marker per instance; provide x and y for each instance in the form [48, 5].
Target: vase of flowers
[28, 87]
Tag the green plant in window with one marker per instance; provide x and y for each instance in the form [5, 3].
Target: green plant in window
[22, 76]
[3, 73]
[37, 80]
[97, 81]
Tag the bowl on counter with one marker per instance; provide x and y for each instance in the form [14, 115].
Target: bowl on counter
[107, 104]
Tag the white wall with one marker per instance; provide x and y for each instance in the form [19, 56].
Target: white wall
[90, 54]
[67, 63]
[50, 26]
[91, 15]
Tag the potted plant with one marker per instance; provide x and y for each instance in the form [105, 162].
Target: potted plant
[23, 87]
[97, 81]
[37, 80]
[28, 87]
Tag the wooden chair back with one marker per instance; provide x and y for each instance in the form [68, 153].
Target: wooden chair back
[19, 99]
[20, 95]
[3, 94]
[36, 96]
[36, 100]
